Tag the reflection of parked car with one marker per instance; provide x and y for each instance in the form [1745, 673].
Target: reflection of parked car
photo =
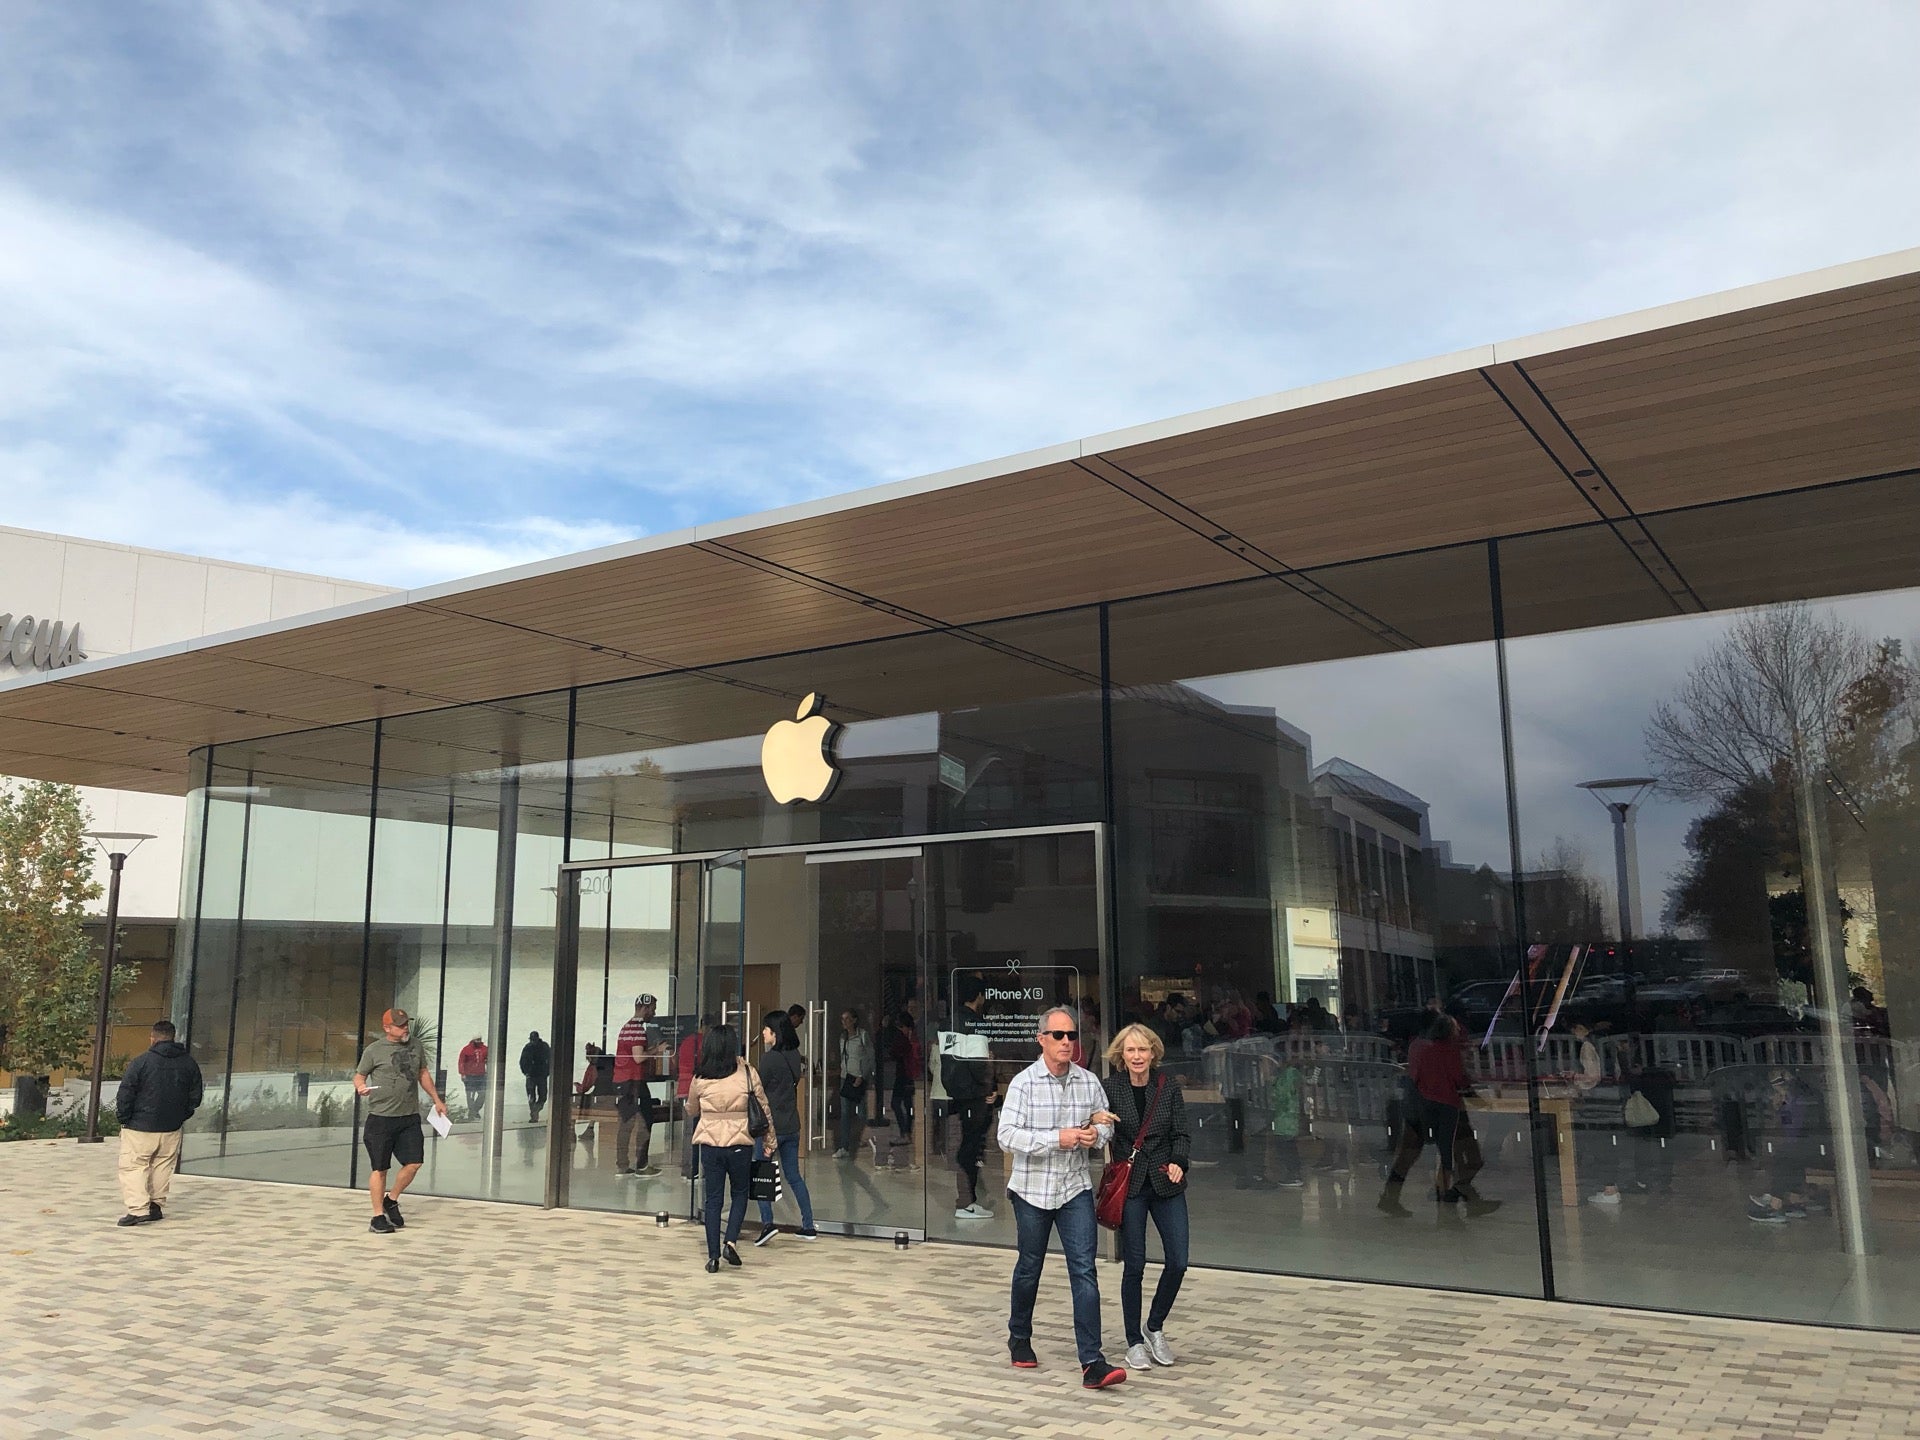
[1480, 995]
[1722, 982]
[1747, 1019]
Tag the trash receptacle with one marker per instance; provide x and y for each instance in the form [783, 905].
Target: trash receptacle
[30, 1095]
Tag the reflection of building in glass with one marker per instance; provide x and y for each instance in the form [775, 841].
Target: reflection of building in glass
[1266, 872]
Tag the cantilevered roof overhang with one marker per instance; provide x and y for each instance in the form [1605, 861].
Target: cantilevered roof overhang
[1780, 387]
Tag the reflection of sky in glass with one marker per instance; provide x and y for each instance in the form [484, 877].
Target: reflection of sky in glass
[1428, 721]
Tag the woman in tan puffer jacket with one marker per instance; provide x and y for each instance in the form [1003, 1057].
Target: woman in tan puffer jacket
[717, 1100]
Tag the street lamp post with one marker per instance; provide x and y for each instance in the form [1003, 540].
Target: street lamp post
[1626, 861]
[117, 845]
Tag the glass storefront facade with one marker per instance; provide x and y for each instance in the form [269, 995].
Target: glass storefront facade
[1653, 845]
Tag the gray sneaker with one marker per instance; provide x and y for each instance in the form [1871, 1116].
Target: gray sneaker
[1157, 1344]
[1138, 1358]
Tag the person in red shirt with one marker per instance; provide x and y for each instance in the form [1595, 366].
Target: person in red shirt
[1436, 1104]
[473, 1075]
[684, 1059]
[632, 1057]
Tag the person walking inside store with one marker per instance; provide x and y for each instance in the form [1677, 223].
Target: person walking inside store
[473, 1075]
[1150, 1123]
[686, 1055]
[856, 1077]
[158, 1095]
[908, 1060]
[717, 1101]
[390, 1076]
[1055, 1115]
[967, 1073]
[536, 1064]
[782, 1068]
[632, 1054]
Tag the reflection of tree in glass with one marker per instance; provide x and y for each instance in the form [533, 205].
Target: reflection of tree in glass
[1788, 692]
[1565, 904]
[1774, 689]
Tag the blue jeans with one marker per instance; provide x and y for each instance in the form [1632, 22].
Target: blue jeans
[721, 1166]
[853, 1119]
[1170, 1219]
[790, 1171]
[1078, 1232]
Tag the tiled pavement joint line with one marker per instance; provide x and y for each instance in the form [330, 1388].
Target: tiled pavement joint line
[262, 1311]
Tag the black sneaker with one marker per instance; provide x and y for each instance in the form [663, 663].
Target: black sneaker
[154, 1212]
[729, 1254]
[1023, 1356]
[767, 1232]
[135, 1220]
[806, 1234]
[380, 1225]
[1099, 1375]
[391, 1208]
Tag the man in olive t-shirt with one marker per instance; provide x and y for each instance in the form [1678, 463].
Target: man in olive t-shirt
[389, 1076]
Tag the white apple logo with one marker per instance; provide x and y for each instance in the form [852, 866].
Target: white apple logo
[797, 758]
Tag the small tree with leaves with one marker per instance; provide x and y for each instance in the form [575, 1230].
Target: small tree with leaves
[49, 973]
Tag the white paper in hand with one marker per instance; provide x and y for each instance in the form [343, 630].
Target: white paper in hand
[441, 1124]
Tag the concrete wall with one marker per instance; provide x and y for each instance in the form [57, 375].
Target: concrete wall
[124, 599]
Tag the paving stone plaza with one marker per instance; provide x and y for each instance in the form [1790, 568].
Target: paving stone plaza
[266, 1312]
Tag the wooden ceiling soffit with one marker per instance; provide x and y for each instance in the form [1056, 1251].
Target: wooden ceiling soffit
[1799, 394]
[98, 747]
[151, 779]
[1576, 464]
[1044, 539]
[1836, 540]
[106, 711]
[1250, 555]
[671, 609]
[1435, 462]
[1575, 579]
[423, 656]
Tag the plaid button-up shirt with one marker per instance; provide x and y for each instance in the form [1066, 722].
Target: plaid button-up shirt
[1039, 1105]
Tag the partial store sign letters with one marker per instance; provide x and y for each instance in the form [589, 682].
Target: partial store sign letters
[30, 644]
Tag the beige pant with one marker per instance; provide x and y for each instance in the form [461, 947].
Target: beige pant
[147, 1161]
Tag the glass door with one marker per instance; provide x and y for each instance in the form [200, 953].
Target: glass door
[627, 1006]
[1013, 924]
[864, 1161]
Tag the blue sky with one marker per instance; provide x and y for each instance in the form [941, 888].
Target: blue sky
[403, 293]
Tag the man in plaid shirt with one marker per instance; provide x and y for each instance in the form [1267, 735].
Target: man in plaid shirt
[1054, 1115]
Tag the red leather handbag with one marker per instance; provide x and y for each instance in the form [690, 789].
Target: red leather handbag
[1110, 1201]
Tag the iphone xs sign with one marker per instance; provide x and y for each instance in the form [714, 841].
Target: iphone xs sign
[27, 643]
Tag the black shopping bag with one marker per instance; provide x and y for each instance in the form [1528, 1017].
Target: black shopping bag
[764, 1183]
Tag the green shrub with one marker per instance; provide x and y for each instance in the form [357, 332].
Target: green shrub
[70, 1126]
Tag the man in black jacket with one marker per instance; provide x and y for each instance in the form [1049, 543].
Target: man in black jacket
[536, 1064]
[158, 1094]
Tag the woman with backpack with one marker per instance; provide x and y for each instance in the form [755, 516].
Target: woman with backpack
[781, 1071]
[723, 1138]
[1150, 1117]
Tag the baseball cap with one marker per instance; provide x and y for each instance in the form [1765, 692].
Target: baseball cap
[397, 1018]
[644, 1000]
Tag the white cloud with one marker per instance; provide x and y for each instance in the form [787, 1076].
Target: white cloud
[627, 267]
[150, 492]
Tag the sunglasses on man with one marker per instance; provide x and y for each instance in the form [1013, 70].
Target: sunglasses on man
[1062, 1034]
